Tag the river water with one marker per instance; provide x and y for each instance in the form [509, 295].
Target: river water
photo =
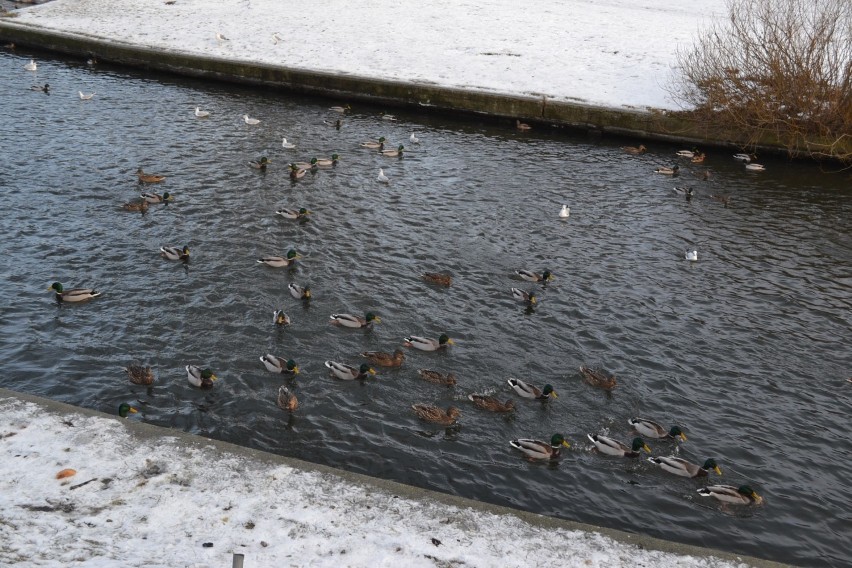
[747, 349]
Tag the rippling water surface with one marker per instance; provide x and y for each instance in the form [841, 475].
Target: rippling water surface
[747, 349]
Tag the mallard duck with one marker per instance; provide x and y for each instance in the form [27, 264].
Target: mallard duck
[684, 468]
[74, 294]
[340, 109]
[299, 292]
[651, 429]
[744, 157]
[348, 372]
[326, 162]
[692, 255]
[140, 206]
[436, 415]
[427, 343]
[414, 139]
[530, 276]
[610, 447]
[742, 495]
[438, 278]
[249, 120]
[287, 213]
[43, 88]
[384, 359]
[393, 153]
[522, 125]
[280, 318]
[538, 450]
[201, 113]
[175, 253]
[157, 198]
[527, 390]
[491, 403]
[296, 172]
[124, 410]
[286, 400]
[275, 364]
[259, 164]
[140, 375]
[698, 158]
[598, 378]
[687, 153]
[522, 296]
[348, 320]
[198, 377]
[723, 199]
[31, 66]
[287, 145]
[687, 192]
[85, 96]
[668, 171]
[382, 178]
[435, 377]
[755, 167]
[373, 144]
[335, 123]
[565, 212]
[305, 165]
[634, 150]
[280, 261]
[148, 178]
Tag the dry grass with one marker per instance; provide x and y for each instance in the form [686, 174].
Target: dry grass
[776, 67]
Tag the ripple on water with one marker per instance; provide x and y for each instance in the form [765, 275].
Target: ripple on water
[745, 349]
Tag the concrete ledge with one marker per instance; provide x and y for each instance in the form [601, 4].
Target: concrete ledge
[644, 124]
[147, 431]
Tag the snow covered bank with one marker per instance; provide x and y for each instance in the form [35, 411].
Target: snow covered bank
[615, 53]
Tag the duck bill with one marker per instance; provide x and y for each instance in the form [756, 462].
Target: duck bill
[213, 377]
[553, 394]
[717, 470]
[566, 444]
[646, 448]
[133, 410]
[377, 319]
[371, 371]
[295, 370]
[757, 498]
[683, 436]
[450, 342]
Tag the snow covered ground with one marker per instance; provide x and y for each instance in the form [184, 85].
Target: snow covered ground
[152, 501]
[618, 53]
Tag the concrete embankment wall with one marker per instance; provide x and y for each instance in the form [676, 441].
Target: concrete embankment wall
[640, 124]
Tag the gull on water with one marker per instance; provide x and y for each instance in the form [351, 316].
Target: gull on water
[250, 120]
[31, 66]
[85, 97]
[288, 145]
[414, 139]
[201, 113]
[564, 212]
[382, 177]
[692, 255]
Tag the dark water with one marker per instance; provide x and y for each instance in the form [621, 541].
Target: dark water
[747, 349]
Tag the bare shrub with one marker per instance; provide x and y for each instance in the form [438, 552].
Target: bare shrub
[777, 69]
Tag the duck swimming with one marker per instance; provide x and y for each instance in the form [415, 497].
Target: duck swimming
[611, 447]
[348, 372]
[742, 495]
[437, 415]
[426, 343]
[348, 320]
[74, 294]
[384, 359]
[280, 365]
[684, 468]
[280, 261]
[538, 450]
[527, 390]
